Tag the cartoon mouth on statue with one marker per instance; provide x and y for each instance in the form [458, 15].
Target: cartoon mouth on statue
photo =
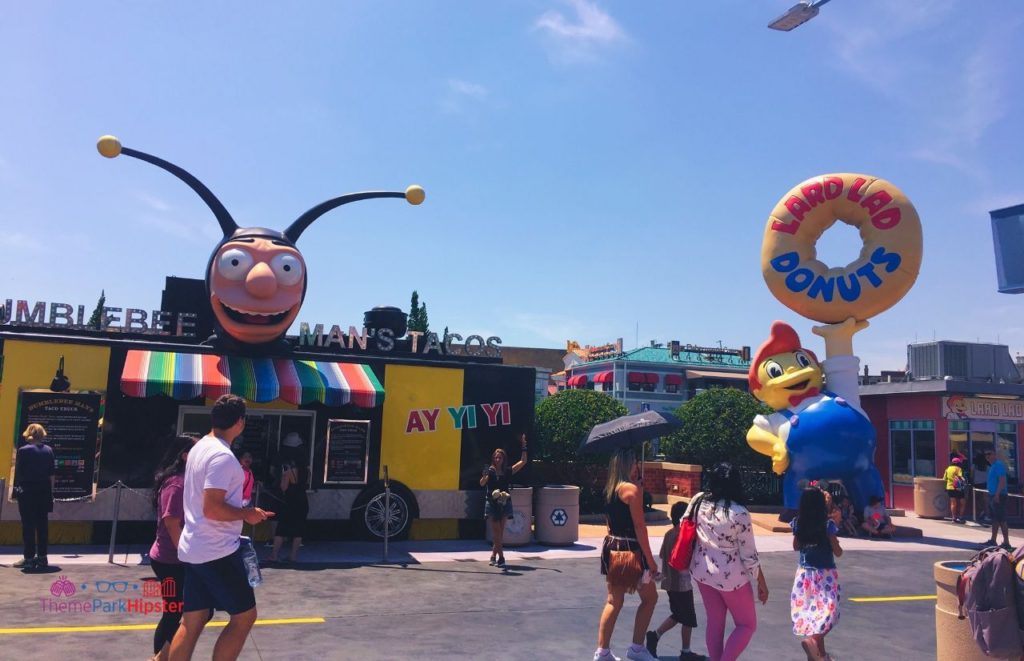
[254, 318]
[799, 386]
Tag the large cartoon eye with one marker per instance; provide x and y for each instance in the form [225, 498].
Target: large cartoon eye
[773, 369]
[234, 264]
[802, 359]
[287, 268]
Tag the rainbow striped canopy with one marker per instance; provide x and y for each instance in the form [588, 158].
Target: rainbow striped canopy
[191, 375]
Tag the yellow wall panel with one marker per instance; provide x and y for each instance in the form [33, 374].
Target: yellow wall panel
[421, 459]
[32, 365]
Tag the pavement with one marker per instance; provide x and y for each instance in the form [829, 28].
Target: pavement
[440, 600]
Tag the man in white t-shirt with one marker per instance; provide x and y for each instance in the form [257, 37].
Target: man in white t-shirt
[215, 575]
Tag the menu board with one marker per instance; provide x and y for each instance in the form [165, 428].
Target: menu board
[348, 451]
[255, 438]
[71, 420]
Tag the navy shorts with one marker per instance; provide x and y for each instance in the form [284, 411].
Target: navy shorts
[997, 510]
[221, 584]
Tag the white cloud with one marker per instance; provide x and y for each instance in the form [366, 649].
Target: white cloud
[465, 88]
[19, 241]
[579, 38]
[460, 95]
[174, 228]
[958, 103]
[552, 328]
[153, 202]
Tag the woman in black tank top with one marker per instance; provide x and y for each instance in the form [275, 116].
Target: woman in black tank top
[627, 532]
[497, 484]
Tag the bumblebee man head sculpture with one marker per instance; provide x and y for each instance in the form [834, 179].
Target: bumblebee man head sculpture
[256, 277]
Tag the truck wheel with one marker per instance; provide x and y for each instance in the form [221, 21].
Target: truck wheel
[372, 510]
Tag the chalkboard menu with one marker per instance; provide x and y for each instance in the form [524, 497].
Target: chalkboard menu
[348, 452]
[71, 420]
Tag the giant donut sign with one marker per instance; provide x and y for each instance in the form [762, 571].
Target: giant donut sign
[889, 259]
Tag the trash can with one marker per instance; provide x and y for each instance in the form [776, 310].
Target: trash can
[953, 639]
[518, 529]
[558, 514]
[930, 499]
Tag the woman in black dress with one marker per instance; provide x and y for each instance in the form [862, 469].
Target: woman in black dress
[496, 481]
[291, 520]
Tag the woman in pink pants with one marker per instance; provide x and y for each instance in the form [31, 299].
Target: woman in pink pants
[725, 564]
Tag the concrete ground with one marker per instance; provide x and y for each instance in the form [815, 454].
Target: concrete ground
[445, 602]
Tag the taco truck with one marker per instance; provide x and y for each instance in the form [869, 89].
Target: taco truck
[433, 421]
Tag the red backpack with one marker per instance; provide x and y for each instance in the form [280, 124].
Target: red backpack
[986, 591]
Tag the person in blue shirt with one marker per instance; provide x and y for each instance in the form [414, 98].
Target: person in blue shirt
[34, 469]
[997, 495]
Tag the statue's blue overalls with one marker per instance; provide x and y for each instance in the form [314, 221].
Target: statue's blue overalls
[831, 440]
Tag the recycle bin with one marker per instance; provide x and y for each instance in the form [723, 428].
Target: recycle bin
[558, 514]
[518, 529]
[930, 499]
[953, 639]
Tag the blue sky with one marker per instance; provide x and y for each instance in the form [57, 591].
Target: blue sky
[590, 167]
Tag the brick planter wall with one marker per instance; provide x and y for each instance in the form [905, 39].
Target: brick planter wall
[668, 482]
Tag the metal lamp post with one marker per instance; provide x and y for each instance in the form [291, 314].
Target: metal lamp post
[797, 15]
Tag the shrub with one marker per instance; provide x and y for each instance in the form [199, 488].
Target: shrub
[715, 425]
[563, 420]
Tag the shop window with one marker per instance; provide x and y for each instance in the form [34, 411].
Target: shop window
[648, 387]
[671, 387]
[912, 444]
[636, 387]
[1007, 443]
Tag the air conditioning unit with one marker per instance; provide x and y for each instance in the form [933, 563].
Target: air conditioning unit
[963, 361]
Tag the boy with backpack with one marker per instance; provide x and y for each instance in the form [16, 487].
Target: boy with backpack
[680, 594]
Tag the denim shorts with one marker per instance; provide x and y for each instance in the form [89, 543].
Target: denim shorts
[222, 584]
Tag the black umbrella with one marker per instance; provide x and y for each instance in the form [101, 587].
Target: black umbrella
[629, 430]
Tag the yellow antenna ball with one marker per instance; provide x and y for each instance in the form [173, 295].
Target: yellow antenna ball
[415, 194]
[109, 146]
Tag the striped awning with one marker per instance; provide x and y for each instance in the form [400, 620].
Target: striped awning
[188, 375]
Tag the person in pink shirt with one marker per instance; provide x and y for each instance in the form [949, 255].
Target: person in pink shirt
[248, 482]
[163, 555]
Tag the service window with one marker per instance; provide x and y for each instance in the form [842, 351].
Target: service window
[269, 436]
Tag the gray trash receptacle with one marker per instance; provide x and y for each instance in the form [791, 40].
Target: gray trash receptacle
[557, 514]
[930, 498]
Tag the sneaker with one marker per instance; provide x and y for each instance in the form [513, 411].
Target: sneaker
[606, 657]
[41, 562]
[24, 563]
[640, 654]
[1006, 545]
[500, 562]
[691, 656]
[652, 643]
[990, 542]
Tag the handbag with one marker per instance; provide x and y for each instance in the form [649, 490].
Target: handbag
[682, 552]
[624, 569]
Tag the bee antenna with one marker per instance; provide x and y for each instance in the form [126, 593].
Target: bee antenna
[413, 194]
[110, 147]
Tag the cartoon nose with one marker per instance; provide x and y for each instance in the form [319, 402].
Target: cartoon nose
[261, 281]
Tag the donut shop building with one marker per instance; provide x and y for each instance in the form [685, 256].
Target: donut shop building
[918, 423]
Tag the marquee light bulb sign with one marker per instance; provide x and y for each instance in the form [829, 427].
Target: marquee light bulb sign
[256, 277]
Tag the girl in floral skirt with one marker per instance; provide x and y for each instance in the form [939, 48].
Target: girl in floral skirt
[814, 602]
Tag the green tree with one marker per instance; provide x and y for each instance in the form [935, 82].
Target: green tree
[565, 418]
[96, 319]
[418, 314]
[715, 425]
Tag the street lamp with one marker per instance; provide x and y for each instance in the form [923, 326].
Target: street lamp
[797, 15]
